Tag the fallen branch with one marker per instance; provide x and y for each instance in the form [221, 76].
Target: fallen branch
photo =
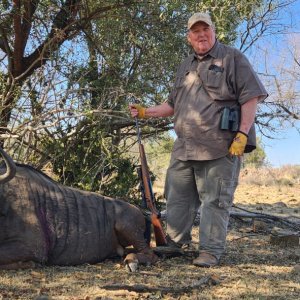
[254, 215]
[250, 215]
[142, 288]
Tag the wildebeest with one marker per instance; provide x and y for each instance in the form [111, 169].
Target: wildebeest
[43, 222]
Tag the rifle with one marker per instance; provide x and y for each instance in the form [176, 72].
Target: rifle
[148, 196]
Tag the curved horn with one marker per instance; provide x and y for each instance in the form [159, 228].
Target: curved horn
[10, 167]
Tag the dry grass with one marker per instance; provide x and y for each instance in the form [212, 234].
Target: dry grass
[251, 269]
[284, 176]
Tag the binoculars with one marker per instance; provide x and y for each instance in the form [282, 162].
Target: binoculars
[230, 119]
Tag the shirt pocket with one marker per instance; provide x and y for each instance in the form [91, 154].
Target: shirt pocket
[183, 84]
[216, 85]
[214, 79]
[180, 80]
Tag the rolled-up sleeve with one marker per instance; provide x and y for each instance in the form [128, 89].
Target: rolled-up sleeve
[248, 84]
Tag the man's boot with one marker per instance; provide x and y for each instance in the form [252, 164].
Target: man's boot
[205, 260]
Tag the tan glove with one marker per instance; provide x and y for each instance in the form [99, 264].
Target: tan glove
[239, 143]
[141, 111]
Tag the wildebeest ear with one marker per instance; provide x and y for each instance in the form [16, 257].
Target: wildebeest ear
[10, 167]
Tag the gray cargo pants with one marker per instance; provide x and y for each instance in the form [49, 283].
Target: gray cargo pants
[210, 184]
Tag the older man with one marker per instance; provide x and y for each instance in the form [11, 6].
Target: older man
[214, 102]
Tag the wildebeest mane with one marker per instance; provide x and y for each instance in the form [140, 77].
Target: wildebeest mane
[2, 165]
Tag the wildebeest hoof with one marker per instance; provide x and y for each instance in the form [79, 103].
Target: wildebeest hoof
[131, 263]
[132, 266]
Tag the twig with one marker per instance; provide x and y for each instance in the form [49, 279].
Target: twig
[245, 236]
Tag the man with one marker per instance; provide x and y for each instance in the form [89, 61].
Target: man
[214, 103]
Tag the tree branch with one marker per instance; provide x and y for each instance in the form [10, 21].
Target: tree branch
[141, 288]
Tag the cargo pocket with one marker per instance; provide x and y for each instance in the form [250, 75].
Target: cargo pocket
[231, 158]
[227, 189]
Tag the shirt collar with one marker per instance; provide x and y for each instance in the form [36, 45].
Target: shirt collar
[213, 52]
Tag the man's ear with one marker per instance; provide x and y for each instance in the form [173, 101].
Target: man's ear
[188, 38]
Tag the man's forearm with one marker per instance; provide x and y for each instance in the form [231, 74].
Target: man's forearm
[248, 111]
[162, 110]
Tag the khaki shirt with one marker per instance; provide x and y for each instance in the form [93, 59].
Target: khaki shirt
[203, 87]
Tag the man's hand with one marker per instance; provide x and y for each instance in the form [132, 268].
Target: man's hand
[239, 143]
[137, 111]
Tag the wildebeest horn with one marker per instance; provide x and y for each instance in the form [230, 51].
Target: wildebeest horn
[10, 167]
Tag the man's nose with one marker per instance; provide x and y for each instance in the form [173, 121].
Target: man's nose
[200, 33]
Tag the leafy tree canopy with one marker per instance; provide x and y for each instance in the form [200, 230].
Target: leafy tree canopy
[68, 70]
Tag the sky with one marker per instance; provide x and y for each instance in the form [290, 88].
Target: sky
[284, 149]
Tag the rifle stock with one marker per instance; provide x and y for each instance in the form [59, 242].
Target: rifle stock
[160, 236]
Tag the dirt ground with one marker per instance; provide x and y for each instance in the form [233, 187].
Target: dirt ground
[252, 268]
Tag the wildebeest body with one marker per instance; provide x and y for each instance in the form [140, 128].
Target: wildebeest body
[46, 222]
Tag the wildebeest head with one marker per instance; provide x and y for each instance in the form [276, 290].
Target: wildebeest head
[10, 167]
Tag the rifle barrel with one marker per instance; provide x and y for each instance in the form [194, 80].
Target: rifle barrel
[160, 236]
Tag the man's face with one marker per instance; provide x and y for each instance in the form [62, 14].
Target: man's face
[202, 37]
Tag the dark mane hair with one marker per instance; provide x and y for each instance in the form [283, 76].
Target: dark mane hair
[34, 170]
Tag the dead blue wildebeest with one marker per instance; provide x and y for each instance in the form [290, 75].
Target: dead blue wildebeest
[44, 222]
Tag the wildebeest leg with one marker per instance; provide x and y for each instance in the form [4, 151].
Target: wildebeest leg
[15, 255]
[130, 227]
